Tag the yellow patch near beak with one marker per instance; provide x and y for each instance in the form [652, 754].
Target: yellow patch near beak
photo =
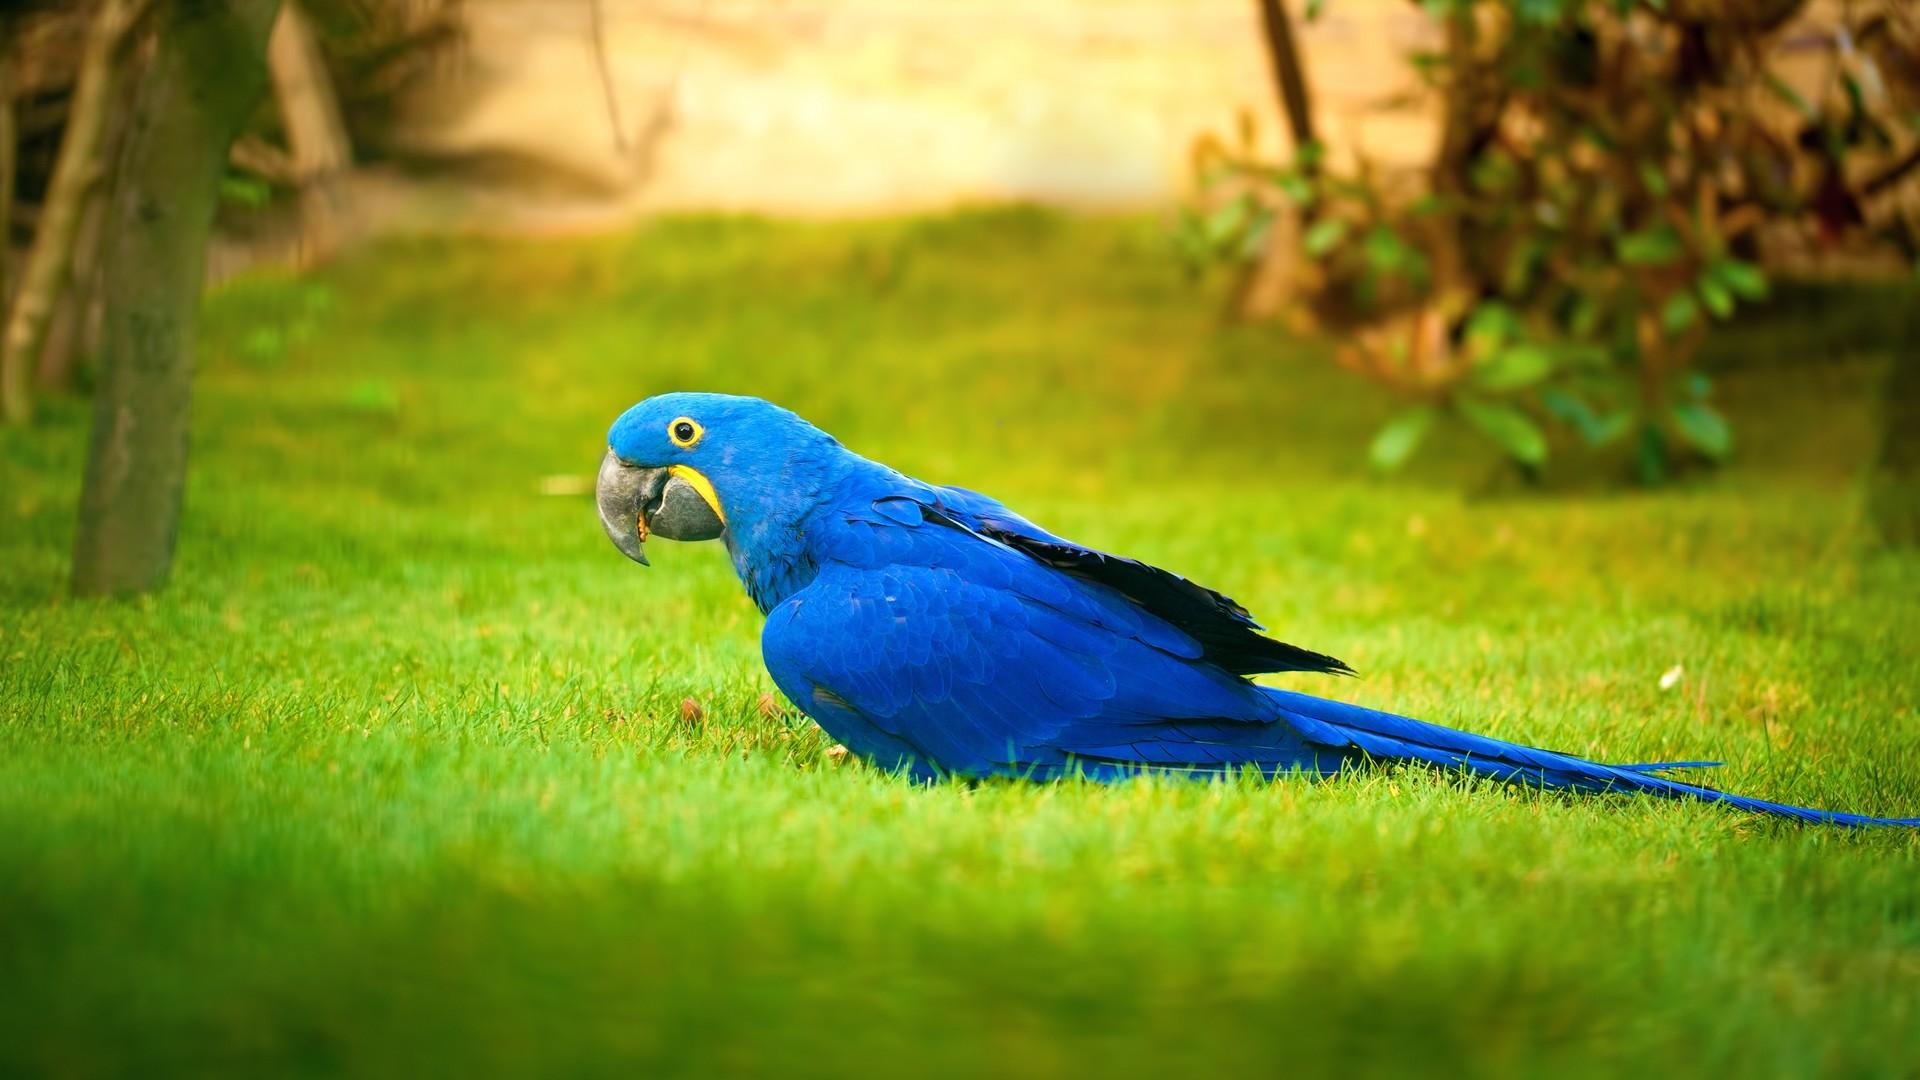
[699, 482]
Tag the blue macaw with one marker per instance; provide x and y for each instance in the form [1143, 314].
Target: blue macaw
[932, 630]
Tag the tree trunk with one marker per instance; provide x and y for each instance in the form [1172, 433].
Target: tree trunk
[1266, 285]
[596, 23]
[207, 72]
[75, 171]
[1465, 126]
[73, 341]
[1289, 75]
[316, 134]
[73, 333]
[9, 148]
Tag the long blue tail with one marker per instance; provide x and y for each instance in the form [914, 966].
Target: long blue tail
[1389, 737]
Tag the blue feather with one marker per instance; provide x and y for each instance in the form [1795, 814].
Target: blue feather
[1386, 736]
[935, 631]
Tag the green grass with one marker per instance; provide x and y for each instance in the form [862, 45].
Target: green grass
[393, 778]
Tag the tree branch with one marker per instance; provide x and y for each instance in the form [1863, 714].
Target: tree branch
[75, 171]
[606, 76]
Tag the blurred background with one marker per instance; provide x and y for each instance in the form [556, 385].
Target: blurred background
[1528, 216]
[1554, 362]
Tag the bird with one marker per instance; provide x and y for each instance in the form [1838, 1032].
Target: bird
[936, 633]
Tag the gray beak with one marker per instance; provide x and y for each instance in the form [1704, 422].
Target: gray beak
[636, 502]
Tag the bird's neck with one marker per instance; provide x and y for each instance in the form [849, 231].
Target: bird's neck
[769, 570]
[768, 539]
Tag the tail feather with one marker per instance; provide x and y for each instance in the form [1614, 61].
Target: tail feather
[1664, 766]
[1385, 735]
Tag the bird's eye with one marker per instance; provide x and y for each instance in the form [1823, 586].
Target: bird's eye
[684, 432]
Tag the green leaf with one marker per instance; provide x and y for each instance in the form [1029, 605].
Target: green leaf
[1494, 172]
[244, 189]
[1513, 430]
[1608, 428]
[1657, 246]
[1654, 180]
[1788, 94]
[1541, 12]
[1856, 97]
[1746, 280]
[1519, 366]
[1190, 240]
[1704, 427]
[1586, 356]
[1585, 318]
[1492, 325]
[1384, 249]
[1324, 236]
[1226, 221]
[1596, 430]
[1680, 312]
[1716, 296]
[1401, 436]
[1600, 139]
[1313, 9]
[1296, 188]
[1567, 405]
[1253, 240]
[1518, 274]
[1650, 457]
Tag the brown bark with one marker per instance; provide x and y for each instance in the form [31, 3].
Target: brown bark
[207, 72]
[1467, 122]
[597, 29]
[1267, 284]
[9, 148]
[317, 138]
[73, 331]
[1289, 74]
[265, 160]
[76, 170]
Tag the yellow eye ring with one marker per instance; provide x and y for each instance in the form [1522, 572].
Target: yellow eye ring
[685, 431]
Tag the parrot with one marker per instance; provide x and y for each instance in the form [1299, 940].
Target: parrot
[936, 633]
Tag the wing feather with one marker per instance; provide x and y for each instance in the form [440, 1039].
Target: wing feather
[1224, 631]
[988, 662]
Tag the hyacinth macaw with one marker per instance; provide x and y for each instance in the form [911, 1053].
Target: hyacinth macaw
[932, 630]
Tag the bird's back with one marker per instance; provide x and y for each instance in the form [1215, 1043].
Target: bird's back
[941, 627]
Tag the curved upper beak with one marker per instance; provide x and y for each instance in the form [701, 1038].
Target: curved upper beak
[637, 501]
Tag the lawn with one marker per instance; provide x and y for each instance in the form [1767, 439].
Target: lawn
[397, 776]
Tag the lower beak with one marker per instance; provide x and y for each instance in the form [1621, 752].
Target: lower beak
[637, 501]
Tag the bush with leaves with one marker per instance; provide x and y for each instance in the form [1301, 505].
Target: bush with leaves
[1604, 168]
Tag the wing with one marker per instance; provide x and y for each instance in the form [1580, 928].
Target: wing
[1226, 632]
[921, 640]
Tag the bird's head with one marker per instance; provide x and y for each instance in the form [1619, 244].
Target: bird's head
[688, 466]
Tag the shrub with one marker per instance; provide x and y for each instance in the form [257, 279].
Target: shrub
[1603, 172]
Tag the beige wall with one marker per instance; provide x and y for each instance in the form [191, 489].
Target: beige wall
[837, 106]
